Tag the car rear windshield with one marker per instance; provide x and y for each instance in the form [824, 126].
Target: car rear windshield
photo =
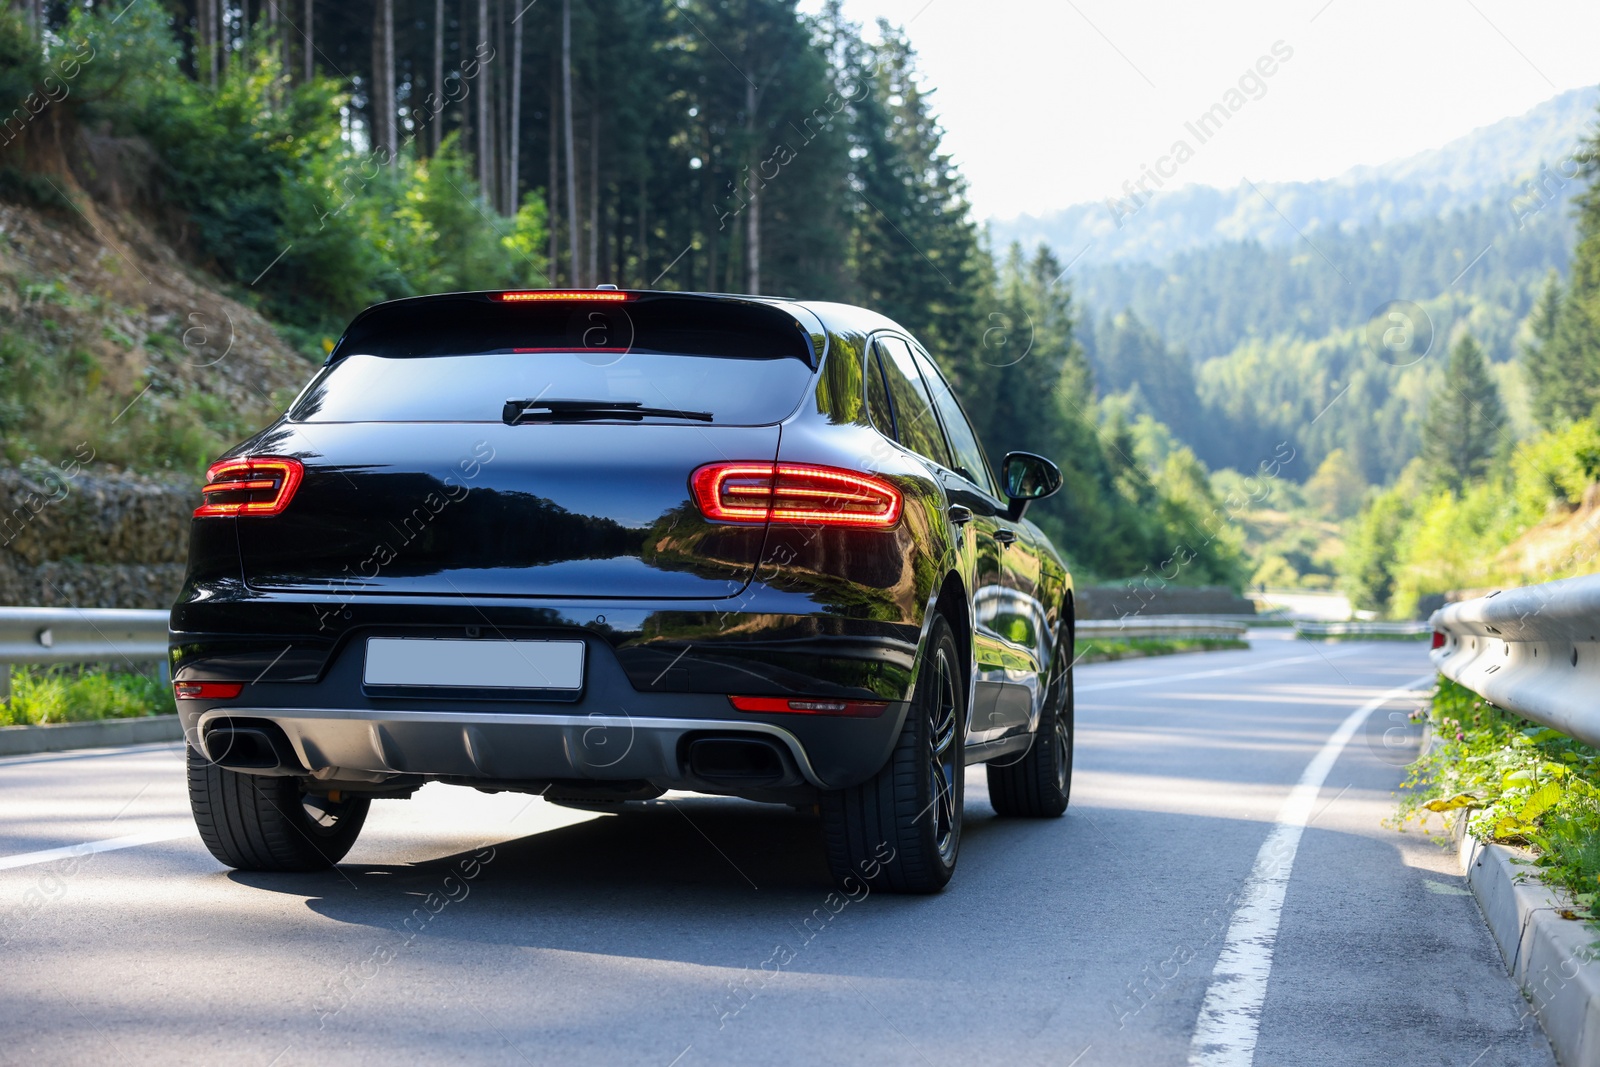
[463, 359]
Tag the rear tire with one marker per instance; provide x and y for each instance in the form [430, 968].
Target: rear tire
[1039, 785]
[257, 823]
[901, 830]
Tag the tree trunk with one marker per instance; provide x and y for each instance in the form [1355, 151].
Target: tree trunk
[224, 38]
[553, 213]
[713, 242]
[514, 140]
[502, 111]
[205, 63]
[485, 142]
[572, 158]
[385, 132]
[391, 117]
[308, 43]
[275, 40]
[752, 244]
[594, 193]
[202, 42]
[436, 83]
[641, 253]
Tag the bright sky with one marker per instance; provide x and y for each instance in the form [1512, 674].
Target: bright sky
[1048, 103]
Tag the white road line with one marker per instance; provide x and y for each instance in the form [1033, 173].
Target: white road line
[84, 848]
[175, 747]
[1159, 679]
[1230, 1017]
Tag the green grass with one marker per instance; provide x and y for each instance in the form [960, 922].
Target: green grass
[82, 694]
[1520, 784]
[1090, 651]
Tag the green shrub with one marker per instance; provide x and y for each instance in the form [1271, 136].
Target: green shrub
[82, 694]
[1556, 467]
[1411, 541]
[1521, 784]
[270, 185]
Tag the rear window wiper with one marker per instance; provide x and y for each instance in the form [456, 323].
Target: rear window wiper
[539, 410]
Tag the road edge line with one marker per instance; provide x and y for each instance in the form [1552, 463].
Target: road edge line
[1229, 1022]
[87, 848]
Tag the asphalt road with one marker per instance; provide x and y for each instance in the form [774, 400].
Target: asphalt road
[501, 929]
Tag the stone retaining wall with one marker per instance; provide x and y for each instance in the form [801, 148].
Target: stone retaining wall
[71, 536]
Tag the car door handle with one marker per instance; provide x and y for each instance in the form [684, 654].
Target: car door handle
[960, 514]
[1005, 537]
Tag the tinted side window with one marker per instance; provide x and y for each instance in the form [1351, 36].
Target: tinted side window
[878, 396]
[916, 425]
[970, 460]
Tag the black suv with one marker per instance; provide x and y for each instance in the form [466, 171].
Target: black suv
[600, 544]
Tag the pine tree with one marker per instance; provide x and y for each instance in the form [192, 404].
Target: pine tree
[1367, 569]
[1466, 421]
[1546, 380]
[1570, 357]
[917, 257]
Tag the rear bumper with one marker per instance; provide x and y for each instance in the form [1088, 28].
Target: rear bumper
[765, 642]
[656, 682]
[359, 745]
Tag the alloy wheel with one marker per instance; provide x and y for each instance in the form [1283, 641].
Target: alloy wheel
[942, 755]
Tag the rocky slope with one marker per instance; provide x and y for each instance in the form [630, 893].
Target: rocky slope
[122, 369]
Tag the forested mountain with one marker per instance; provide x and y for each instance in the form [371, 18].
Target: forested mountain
[1325, 352]
[1289, 343]
[1483, 506]
[312, 157]
[1209, 301]
[1520, 162]
[1241, 345]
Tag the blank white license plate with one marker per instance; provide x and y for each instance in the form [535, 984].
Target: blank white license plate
[475, 664]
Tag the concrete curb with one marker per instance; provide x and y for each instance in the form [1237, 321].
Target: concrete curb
[1554, 960]
[102, 733]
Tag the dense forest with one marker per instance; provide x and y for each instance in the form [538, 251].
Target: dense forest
[1423, 383]
[1482, 506]
[1238, 345]
[315, 157]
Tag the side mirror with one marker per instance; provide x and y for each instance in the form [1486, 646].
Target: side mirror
[1027, 478]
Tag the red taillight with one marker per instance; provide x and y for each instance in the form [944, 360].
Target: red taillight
[1438, 639]
[795, 493]
[207, 690]
[258, 485]
[528, 296]
[860, 709]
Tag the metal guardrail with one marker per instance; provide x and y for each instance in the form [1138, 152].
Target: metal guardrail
[1174, 627]
[81, 635]
[1534, 651]
[1363, 629]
